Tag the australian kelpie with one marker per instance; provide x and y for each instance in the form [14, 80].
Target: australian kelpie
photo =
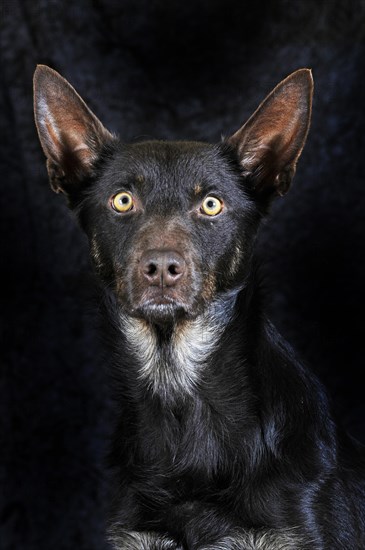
[224, 441]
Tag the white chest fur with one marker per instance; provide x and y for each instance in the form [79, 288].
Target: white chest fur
[174, 367]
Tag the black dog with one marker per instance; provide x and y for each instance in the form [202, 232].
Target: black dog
[225, 441]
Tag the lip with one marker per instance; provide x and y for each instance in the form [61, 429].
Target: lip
[161, 310]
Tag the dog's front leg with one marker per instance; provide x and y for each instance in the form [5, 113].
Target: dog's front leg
[270, 539]
[141, 540]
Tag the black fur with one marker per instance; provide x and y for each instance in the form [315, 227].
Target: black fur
[225, 440]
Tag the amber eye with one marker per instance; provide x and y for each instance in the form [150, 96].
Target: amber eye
[211, 206]
[122, 202]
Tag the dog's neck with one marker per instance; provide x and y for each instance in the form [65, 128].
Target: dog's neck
[171, 359]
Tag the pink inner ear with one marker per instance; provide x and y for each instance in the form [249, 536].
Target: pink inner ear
[271, 141]
[70, 134]
[66, 144]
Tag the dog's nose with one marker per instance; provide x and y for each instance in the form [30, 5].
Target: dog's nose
[162, 267]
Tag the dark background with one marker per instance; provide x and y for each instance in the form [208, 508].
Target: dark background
[164, 69]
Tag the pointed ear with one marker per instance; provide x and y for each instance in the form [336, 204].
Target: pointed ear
[70, 134]
[269, 144]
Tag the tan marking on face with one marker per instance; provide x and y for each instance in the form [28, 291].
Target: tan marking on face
[120, 287]
[140, 178]
[209, 287]
[163, 233]
[235, 261]
[197, 189]
[95, 253]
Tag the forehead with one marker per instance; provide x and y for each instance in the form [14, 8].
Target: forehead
[177, 167]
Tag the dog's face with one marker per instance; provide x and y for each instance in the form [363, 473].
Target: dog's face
[171, 224]
[165, 231]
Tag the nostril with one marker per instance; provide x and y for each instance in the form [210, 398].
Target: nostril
[173, 269]
[151, 269]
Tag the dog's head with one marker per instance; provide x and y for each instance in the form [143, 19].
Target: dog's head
[171, 224]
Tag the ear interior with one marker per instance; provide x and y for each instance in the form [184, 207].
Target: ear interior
[270, 143]
[70, 134]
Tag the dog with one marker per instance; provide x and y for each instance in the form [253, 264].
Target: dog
[224, 441]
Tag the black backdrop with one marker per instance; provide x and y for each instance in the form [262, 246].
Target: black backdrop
[166, 69]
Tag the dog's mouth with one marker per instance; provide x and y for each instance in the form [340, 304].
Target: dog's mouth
[162, 308]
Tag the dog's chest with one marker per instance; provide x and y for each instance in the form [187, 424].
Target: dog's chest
[171, 367]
